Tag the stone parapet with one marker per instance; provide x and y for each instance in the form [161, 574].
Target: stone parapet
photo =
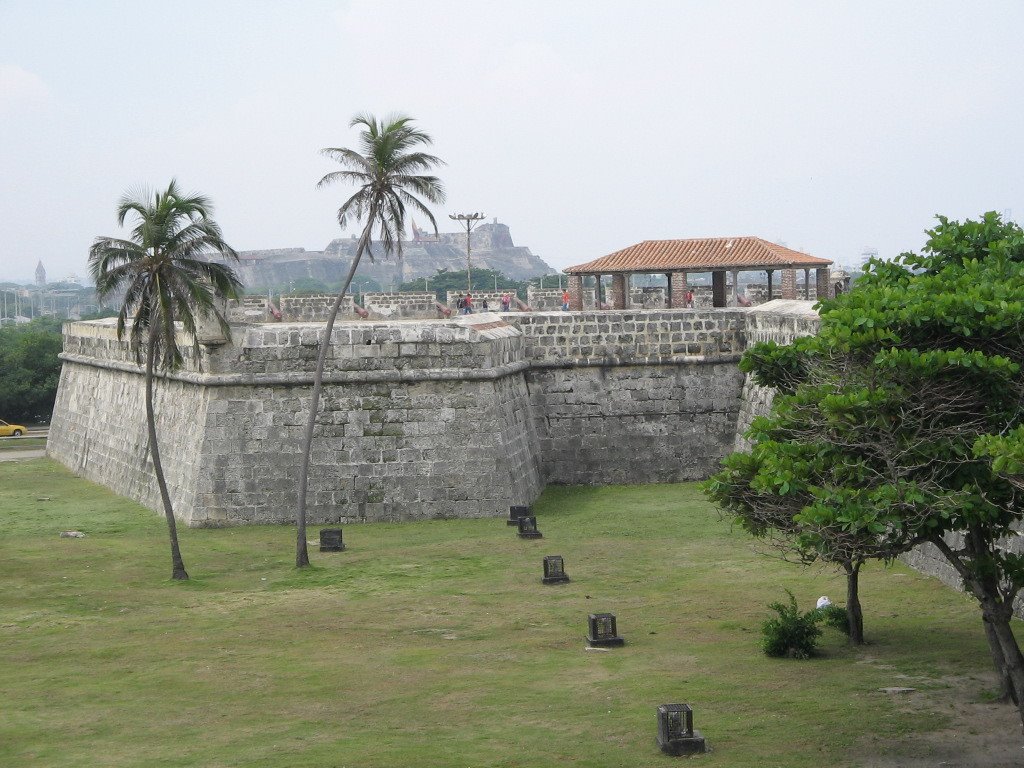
[652, 297]
[418, 305]
[313, 309]
[603, 337]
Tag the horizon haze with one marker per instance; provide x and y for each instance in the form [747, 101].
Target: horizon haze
[584, 126]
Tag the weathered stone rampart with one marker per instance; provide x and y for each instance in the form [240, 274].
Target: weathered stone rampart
[461, 417]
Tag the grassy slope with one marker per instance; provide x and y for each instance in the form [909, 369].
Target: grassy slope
[433, 644]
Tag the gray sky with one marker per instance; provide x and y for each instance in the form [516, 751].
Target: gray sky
[586, 126]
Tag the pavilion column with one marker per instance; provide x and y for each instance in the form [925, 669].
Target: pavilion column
[734, 299]
[823, 282]
[789, 283]
[718, 298]
[677, 290]
[576, 293]
[807, 283]
[770, 273]
[617, 295]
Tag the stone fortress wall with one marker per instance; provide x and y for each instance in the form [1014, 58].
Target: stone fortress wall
[429, 418]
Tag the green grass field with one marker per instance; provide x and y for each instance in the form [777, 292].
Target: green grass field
[435, 644]
[22, 443]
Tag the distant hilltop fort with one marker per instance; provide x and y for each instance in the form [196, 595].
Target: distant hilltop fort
[491, 246]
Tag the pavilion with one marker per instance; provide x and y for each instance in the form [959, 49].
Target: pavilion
[717, 255]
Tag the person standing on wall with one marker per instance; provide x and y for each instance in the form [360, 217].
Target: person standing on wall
[565, 300]
[688, 300]
[506, 301]
[468, 306]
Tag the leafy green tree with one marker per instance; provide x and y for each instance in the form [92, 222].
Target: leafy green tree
[390, 171]
[29, 369]
[444, 281]
[165, 277]
[307, 285]
[900, 420]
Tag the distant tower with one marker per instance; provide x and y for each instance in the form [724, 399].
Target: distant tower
[40, 274]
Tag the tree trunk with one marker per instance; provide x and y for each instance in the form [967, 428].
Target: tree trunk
[301, 548]
[854, 614]
[1011, 653]
[1007, 692]
[177, 565]
[996, 612]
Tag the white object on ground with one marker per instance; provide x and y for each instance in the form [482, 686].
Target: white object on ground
[823, 602]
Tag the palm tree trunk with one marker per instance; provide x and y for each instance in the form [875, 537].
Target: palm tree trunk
[177, 565]
[301, 548]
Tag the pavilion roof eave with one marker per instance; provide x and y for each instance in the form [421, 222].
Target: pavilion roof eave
[659, 270]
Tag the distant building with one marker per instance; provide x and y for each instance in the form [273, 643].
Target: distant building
[40, 274]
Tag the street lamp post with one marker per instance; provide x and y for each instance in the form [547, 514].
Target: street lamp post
[469, 220]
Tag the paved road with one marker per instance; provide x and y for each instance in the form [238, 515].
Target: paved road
[32, 453]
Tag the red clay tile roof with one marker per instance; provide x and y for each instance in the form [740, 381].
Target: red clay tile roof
[698, 255]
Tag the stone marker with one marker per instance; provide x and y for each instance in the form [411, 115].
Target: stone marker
[554, 570]
[514, 513]
[603, 631]
[675, 731]
[331, 541]
[72, 535]
[528, 528]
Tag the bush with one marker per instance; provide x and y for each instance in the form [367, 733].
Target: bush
[791, 634]
[835, 617]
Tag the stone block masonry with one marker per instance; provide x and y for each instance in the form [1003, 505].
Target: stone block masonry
[420, 419]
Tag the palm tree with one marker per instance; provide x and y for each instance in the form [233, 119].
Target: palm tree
[388, 168]
[164, 276]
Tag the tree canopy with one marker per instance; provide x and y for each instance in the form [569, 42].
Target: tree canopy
[900, 422]
[445, 280]
[29, 369]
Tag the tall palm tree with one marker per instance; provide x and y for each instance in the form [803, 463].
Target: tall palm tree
[165, 277]
[389, 170]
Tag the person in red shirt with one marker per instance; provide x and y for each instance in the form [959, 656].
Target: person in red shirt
[565, 301]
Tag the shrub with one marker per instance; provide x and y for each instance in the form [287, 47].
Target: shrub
[791, 634]
[835, 617]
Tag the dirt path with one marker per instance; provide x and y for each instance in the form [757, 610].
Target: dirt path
[983, 734]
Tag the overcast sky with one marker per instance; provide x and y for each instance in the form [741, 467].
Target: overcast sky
[585, 126]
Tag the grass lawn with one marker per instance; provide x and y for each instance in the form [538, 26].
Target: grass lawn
[435, 644]
[22, 443]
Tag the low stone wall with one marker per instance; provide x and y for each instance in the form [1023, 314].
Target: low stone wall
[648, 298]
[638, 337]
[781, 322]
[547, 299]
[249, 309]
[492, 298]
[313, 309]
[401, 305]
